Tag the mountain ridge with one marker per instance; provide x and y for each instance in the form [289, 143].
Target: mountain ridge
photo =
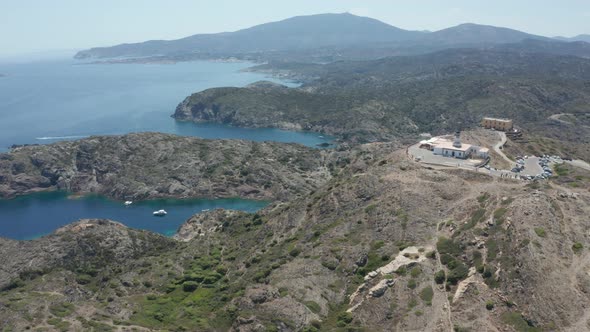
[326, 30]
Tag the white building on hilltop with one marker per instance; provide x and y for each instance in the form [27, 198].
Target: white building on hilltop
[454, 149]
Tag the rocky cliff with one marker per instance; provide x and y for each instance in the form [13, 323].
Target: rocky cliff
[151, 165]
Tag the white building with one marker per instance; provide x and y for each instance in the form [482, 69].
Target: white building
[454, 149]
[450, 149]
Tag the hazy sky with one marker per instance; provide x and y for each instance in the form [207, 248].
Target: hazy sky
[37, 25]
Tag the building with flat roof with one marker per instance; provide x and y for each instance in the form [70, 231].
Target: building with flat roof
[497, 124]
[454, 148]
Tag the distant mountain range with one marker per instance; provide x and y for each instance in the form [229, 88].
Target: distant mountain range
[583, 38]
[323, 31]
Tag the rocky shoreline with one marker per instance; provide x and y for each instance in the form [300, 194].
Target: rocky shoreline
[269, 105]
[154, 165]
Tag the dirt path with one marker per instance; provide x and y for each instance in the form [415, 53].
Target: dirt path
[447, 303]
[557, 117]
[579, 163]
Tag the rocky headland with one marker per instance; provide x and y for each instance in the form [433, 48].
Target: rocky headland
[154, 165]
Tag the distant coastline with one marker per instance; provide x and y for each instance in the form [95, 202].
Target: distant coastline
[165, 60]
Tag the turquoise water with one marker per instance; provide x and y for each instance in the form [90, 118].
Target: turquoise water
[35, 215]
[43, 102]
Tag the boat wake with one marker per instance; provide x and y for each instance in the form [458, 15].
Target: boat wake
[54, 138]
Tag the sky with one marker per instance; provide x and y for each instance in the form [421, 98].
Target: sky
[29, 26]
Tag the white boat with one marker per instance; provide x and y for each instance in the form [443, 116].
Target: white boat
[205, 210]
[160, 213]
[127, 203]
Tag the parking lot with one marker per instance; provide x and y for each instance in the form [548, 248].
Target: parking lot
[532, 167]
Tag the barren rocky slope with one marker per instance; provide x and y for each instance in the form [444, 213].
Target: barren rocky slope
[385, 245]
[151, 165]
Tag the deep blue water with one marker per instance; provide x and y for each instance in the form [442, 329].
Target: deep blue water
[34, 215]
[42, 102]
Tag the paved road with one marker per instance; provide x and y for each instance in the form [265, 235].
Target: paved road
[501, 144]
[580, 164]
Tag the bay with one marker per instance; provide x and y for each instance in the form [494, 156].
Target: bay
[62, 99]
[31, 216]
[46, 101]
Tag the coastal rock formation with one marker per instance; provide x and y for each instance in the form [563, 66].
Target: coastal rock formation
[206, 223]
[154, 165]
[84, 244]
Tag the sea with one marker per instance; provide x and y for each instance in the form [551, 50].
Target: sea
[46, 101]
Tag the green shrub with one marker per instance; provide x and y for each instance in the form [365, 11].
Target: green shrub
[482, 198]
[499, 215]
[577, 247]
[493, 250]
[439, 277]
[345, 317]
[540, 232]
[415, 272]
[313, 306]
[59, 324]
[518, 322]
[295, 252]
[476, 217]
[371, 208]
[446, 259]
[83, 279]
[377, 245]
[426, 294]
[489, 305]
[283, 291]
[447, 246]
[458, 273]
[189, 286]
[61, 309]
[330, 264]
[411, 284]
